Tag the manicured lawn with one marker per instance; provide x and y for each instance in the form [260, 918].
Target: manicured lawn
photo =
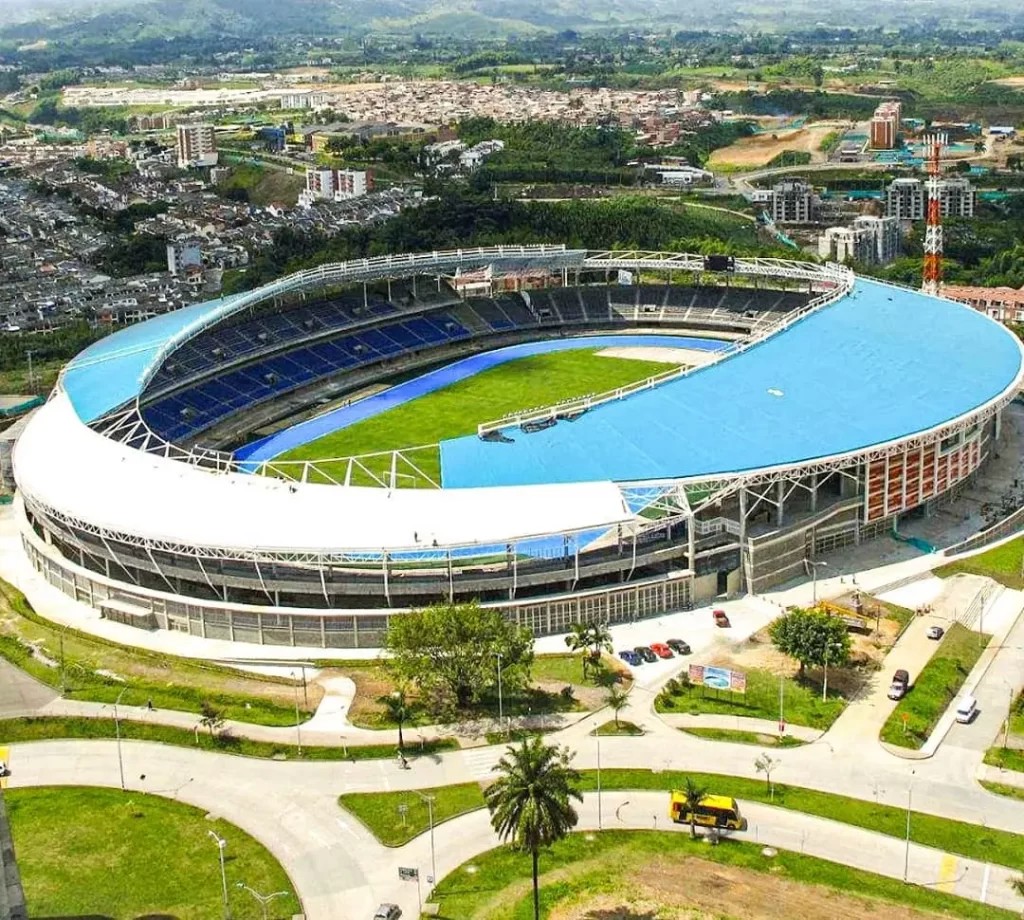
[169, 682]
[1012, 792]
[14, 731]
[934, 688]
[1007, 758]
[568, 669]
[1003, 563]
[456, 410]
[105, 853]
[742, 737]
[622, 727]
[381, 812]
[802, 703]
[379, 809]
[617, 863]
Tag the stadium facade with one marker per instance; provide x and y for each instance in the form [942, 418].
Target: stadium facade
[834, 406]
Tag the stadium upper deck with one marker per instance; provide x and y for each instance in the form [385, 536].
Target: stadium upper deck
[877, 366]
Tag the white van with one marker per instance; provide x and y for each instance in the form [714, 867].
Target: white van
[966, 709]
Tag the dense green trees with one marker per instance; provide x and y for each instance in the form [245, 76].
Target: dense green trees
[451, 652]
[812, 638]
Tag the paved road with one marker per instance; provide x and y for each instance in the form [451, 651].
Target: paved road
[21, 694]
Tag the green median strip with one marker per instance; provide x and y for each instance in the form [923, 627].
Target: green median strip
[615, 866]
[395, 818]
[14, 731]
[741, 737]
[940, 681]
[379, 811]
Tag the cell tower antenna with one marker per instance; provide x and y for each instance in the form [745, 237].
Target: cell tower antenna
[932, 270]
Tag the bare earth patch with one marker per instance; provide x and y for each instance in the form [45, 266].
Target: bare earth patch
[692, 889]
[760, 149]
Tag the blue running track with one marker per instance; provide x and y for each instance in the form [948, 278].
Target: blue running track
[283, 441]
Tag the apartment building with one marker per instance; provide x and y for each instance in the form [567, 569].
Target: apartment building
[1005, 304]
[196, 146]
[335, 184]
[885, 125]
[792, 201]
[907, 199]
[869, 240]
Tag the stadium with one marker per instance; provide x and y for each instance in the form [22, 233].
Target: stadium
[204, 471]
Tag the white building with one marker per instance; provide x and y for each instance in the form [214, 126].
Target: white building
[870, 240]
[907, 199]
[304, 99]
[324, 184]
[792, 201]
[182, 254]
[472, 158]
[196, 146]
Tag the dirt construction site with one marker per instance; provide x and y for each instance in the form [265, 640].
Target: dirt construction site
[758, 150]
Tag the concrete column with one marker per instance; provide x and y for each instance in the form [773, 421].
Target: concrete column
[780, 491]
[691, 543]
[998, 427]
[814, 492]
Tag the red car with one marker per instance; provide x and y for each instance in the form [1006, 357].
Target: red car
[720, 618]
[661, 650]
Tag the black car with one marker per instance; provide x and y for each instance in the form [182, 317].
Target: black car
[679, 646]
[644, 652]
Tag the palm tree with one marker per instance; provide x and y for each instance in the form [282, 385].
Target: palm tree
[693, 795]
[600, 640]
[616, 700]
[530, 802]
[578, 640]
[396, 706]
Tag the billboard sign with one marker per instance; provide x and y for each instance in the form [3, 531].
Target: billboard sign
[718, 678]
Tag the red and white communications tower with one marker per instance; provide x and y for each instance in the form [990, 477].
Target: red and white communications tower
[932, 270]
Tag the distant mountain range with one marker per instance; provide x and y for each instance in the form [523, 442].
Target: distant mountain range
[142, 19]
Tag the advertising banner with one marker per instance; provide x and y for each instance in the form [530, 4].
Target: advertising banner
[718, 678]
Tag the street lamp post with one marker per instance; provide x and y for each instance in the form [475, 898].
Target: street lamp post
[597, 736]
[813, 566]
[298, 729]
[63, 682]
[906, 856]
[429, 799]
[221, 844]
[501, 708]
[117, 734]
[264, 899]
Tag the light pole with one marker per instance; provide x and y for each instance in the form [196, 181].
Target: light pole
[63, 683]
[298, 729]
[264, 899]
[429, 799]
[597, 737]
[813, 566]
[906, 856]
[501, 709]
[117, 733]
[221, 844]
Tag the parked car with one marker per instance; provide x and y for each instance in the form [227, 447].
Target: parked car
[720, 618]
[644, 652]
[4, 769]
[630, 657]
[679, 646]
[661, 650]
[388, 912]
[900, 684]
[935, 632]
[966, 710]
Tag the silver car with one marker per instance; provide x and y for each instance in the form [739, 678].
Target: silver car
[388, 912]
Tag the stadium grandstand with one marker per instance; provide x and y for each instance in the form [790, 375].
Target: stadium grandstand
[826, 407]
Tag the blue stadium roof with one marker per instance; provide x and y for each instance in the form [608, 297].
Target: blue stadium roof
[880, 364]
[113, 370]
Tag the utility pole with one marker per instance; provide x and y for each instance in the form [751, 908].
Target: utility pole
[501, 710]
[117, 733]
[429, 799]
[31, 375]
[298, 728]
[906, 856]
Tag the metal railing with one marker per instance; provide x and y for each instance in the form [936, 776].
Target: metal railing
[841, 278]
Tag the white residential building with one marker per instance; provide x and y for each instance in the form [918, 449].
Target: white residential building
[324, 184]
[196, 146]
[870, 240]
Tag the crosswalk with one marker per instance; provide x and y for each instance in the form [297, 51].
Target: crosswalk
[480, 762]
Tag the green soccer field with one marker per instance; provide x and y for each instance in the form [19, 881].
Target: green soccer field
[456, 410]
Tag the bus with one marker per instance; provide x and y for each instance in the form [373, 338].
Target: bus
[713, 811]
